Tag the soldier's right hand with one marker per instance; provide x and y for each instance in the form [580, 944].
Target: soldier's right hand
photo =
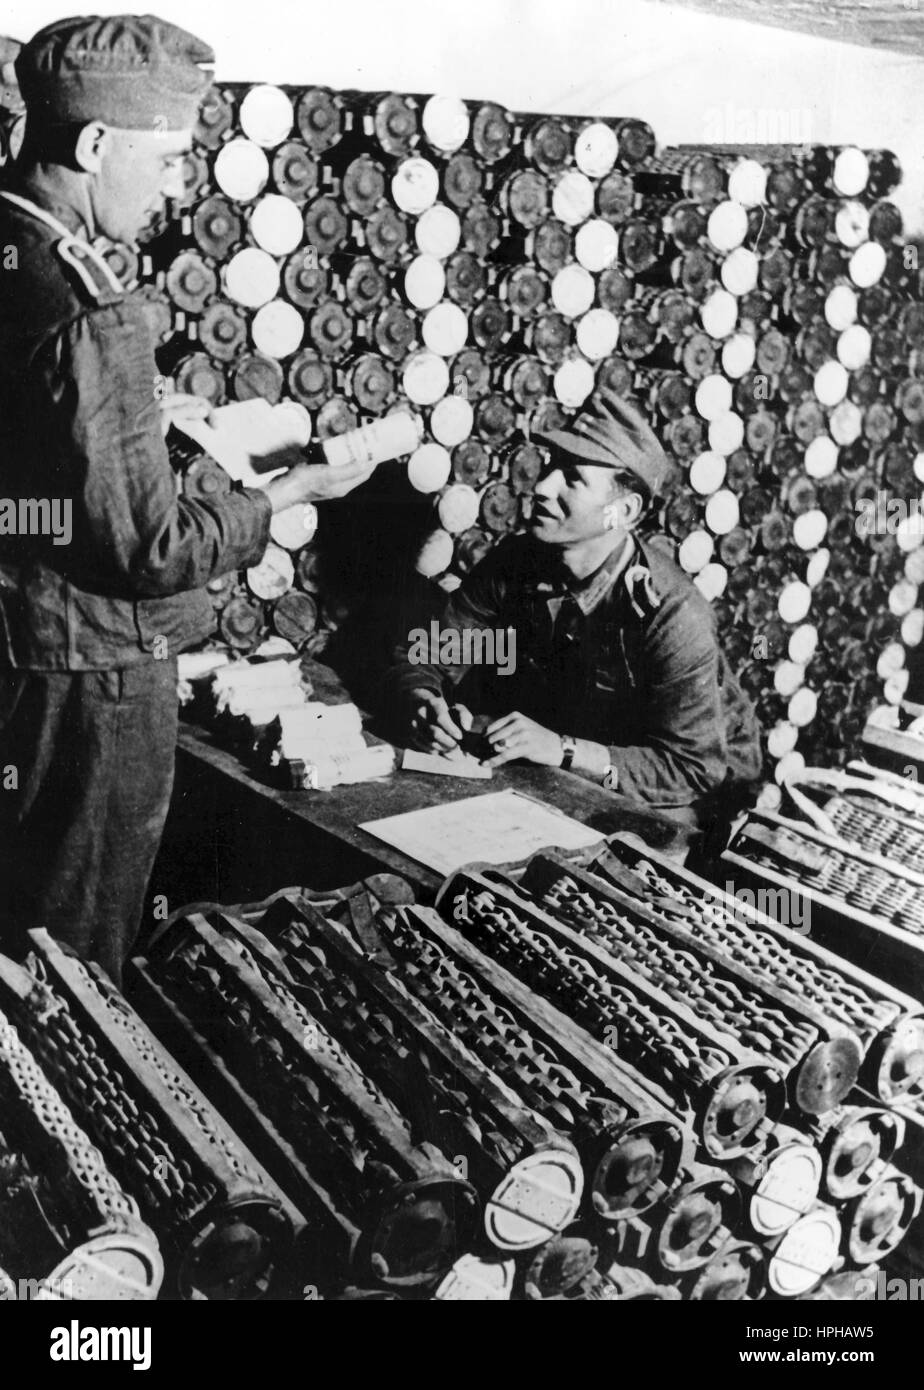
[432, 728]
[316, 482]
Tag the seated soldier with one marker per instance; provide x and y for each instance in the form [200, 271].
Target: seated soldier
[611, 667]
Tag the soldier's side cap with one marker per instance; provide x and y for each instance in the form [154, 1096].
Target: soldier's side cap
[136, 72]
[610, 432]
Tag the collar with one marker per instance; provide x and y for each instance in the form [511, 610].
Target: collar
[39, 193]
[589, 593]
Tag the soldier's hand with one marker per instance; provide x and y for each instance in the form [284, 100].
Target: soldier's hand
[316, 482]
[432, 727]
[515, 736]
[179, 406]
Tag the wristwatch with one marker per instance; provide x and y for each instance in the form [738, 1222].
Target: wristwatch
[568, 750]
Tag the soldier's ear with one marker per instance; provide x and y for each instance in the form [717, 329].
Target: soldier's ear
[92, 145]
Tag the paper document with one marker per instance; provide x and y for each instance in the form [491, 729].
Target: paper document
[492, 829]
[253, 441]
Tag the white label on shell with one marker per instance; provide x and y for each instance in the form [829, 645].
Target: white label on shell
[574, 381]
[821, 457]
[802, 707]
[854, 347]
[438, 231]
[817, 568]
[803, 643]
[445, 122]
[739, 271]
[573, 198]
[726, 433]
[896, 686]
[596, 149]
[415, 185]
[914, 566]
[426, 378]
[787, 677]
[429, 467]
[451, 421]
[851, 171]
[266, 116]
[713, 396]
[596, 244]
[809, 529]
[890, 661]
[790, 765]
[738, 355]
[445, 329]
[295, 526]
[424, 282]
[867, 264]
[841, 307]
[727, 226]
[782, 739]
[277, 329]
[846, 423]
[722, 512]
[276, 224]
[597, 334]
[831, 382]
[913, 627]
[458, 508]
[909, 533]
[435, 554]
[747, 183]
[241, 170]
[794, 602]
[273, 576]
[707, 473]
[719, 314]
[573, 291]
[251, 278]
[711, 581]
[903, 596]
[852, 224]
[695, 551]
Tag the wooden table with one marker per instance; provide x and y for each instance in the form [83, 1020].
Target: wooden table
[231, 837]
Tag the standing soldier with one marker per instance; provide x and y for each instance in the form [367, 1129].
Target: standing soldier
[93, 616]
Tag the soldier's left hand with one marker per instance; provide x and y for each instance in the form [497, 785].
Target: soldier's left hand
[179, 406]
[515, 736]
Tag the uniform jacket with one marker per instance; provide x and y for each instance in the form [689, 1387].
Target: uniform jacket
[629, 659]
[80, 422]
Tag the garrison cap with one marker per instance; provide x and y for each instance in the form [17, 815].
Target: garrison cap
[611, 433]
[133, 71]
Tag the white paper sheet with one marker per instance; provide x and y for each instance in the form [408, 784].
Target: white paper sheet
[253, 441]
[492, 829]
